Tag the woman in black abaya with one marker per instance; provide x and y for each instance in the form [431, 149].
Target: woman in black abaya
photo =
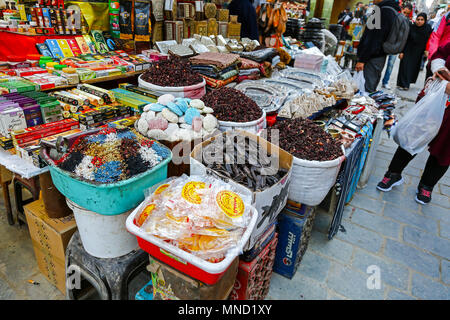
[412, 54]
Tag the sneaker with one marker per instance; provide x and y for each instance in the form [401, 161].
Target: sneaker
[390, 180]
[423, 195]
[385, 86]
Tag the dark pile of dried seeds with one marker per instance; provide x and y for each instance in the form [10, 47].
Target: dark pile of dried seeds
[232, 105]
[174, 72]
[305, 140]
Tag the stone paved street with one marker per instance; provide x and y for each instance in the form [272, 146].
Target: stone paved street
[410, 243]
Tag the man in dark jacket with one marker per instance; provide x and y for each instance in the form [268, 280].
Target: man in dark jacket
[371, 56]
[246, 16]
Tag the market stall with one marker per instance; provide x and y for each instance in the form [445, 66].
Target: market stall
[169, 146]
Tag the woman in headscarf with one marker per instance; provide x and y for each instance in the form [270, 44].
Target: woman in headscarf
[412, 54]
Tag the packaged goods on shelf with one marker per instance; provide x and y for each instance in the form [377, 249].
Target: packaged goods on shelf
[12, 118]
[19, 85]
[138, 90]
[38, 132]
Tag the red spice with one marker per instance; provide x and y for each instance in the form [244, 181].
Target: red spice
[232, 105]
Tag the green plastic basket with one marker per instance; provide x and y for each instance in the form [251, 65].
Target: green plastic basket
[107, 199]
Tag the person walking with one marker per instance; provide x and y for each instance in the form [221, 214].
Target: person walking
[411, 57]
[439, 37]
[370, 53]
[406, 11]
[344, 19]
[439, 159]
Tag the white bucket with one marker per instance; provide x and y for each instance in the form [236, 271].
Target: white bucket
[312, 180]
[195, 91]
[103, 236]
[254, 127]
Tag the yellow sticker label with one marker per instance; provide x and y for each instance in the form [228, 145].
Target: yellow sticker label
[189, 192]
[145, 213]
[230, 203]
[161, 188]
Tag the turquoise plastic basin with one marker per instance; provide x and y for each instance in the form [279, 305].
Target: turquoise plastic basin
[109, 199]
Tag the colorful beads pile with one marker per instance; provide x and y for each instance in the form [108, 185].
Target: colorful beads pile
[112, 155]
[176, 119]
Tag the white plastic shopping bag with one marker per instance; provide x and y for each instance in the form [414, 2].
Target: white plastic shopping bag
[421, 124]
[358, 77]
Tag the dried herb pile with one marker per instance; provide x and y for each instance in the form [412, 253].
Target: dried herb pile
[174, 72]
[242, 160]
[232, 105]
[305, 140]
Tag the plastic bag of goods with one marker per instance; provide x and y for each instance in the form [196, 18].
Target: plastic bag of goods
[202, 216]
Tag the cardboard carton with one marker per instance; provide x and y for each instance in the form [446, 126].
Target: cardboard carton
[171, 284]
[268, 202]
[50, 238]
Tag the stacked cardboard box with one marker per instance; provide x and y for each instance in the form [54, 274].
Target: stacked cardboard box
[50, 238]
[171, 284]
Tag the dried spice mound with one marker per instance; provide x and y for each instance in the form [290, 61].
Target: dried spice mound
[112, 155]
[73, 160]
[232, 105]
[135, 165]
[174, 72]
[305, 140]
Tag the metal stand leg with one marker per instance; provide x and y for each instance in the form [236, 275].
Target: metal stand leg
[7, 198]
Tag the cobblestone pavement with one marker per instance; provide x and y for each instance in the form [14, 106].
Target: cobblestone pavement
[410, 243]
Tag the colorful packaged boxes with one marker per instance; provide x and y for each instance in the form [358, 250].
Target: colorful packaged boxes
[129, 67]
[106, 95]
[138, 90]
[6, 143]
[136, 105]
[12, 118]
[85, 74]
[51, 111]
[124, 123]
[31, 155]
[134, 95]
[26, 135]
[19, 86]
[29, 71]
[30, 108]
[106, 72]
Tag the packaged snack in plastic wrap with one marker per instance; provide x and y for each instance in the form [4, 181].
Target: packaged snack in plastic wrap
[202, 215]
